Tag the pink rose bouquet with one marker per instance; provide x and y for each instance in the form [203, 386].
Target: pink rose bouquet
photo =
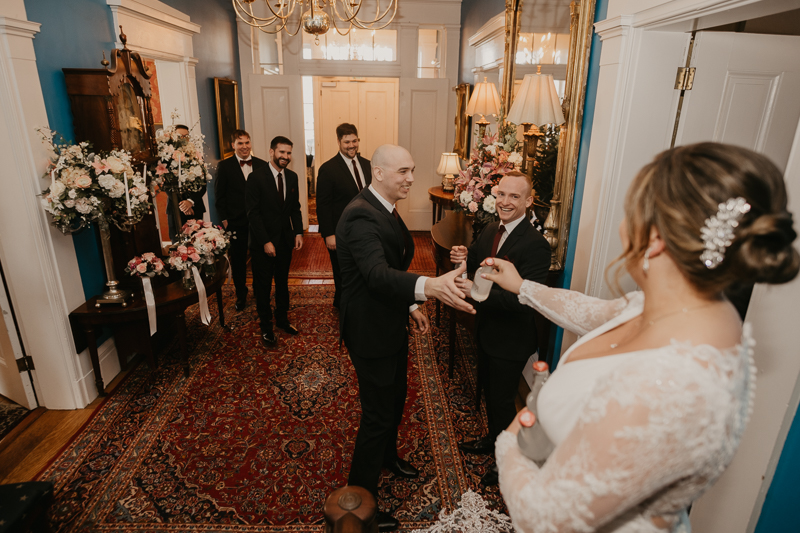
[146, 266]
[181, 164]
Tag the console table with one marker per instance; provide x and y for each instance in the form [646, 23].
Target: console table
[441, 201]
[130, 324]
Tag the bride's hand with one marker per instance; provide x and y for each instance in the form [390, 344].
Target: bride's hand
[504, 274]
[523, 418]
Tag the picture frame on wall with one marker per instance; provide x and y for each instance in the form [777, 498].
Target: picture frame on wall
[461, 145]
[227, 95]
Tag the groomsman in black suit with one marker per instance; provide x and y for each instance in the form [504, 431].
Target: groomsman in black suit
[506, 331]
[229, 192]
[276, 228]
[190, 204]
[375, 249]
[340, 179]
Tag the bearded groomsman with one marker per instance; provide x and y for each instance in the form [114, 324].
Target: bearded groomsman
[276, 228]
[340, 179]
[229, 192]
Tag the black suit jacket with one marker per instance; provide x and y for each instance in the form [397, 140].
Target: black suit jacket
[376, 289]
[229, 190]
[335, 188]
[272, 219]
[505, 327]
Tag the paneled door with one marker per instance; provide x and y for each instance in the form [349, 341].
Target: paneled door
[371, 105]
[745, 93]
[276, 108]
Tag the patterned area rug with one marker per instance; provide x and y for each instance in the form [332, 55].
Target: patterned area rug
[10, 415]
[256, 439]
[313, 261]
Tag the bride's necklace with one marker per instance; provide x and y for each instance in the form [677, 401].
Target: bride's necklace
[649, 323]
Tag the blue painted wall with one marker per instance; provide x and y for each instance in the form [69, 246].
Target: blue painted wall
[74, 34]
[779, 513]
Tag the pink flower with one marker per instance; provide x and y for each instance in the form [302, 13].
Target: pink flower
[161, 169]
[495, 189]
[158, 267]
[178, 156]
[148, 256]
[194, 257]
[141, 267]
[100, 166]
[182, 249]
[473, 207]
[83, 181]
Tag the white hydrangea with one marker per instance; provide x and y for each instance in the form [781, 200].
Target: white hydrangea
[515, 158]
[72, 193]
[57, 189]
[489, 204]
[106, 181]
[465, 197]
[117, 190]
[83, 206]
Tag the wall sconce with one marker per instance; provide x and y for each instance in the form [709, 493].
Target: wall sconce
[536, 104]
[448, 165]
[484, 101]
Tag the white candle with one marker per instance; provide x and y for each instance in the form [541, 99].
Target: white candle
[127, 195]
[52, 179]
[179, 171]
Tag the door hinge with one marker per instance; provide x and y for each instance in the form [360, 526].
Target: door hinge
[25, 363]
[685, 78]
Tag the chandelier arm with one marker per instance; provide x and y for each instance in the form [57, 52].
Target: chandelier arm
[239, 8]
[335, 11]
[378, 16]
[335, 27]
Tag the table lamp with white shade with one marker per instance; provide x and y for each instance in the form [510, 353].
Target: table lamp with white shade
[448, 166]
[536, 104]
[484, 101]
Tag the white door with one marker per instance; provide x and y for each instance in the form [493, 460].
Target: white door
[276, 108]
[370, 105]
[745, 93]
[14, 385]
[423, 131]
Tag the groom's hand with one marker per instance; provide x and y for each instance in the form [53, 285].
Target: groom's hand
[444, 289]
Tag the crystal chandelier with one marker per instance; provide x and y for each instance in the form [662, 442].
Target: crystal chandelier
[317, 16]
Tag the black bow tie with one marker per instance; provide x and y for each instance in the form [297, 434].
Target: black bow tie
[247, 162]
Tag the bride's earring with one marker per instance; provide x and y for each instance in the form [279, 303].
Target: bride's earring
[646, 262]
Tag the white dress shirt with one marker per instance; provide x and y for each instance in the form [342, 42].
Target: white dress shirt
[246, 169]
[509, 228]
[349, 162]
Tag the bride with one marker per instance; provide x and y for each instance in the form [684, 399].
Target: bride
[647, 409]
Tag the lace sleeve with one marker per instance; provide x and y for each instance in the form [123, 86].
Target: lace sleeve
[572, 310]
[652, 424]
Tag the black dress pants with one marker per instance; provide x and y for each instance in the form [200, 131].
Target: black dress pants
[238, 256]
[501, 378]
[265, 269]
[382, 386]
[337, 277]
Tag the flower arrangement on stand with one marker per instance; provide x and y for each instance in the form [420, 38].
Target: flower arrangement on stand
[87, 186]
[210, 241]
[182, 257]
[145, 267]
[475, 188]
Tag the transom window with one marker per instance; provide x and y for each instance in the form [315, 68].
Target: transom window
[358, 45]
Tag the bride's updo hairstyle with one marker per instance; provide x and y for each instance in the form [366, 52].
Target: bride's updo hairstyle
[684, 186]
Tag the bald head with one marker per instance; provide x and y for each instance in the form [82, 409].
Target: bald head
[392, 172]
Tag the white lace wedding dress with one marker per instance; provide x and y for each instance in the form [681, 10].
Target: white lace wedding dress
[638, 435]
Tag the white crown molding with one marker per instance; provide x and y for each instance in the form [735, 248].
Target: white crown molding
[495, 26]
[153, 12]
[19, 28]
[614, 27]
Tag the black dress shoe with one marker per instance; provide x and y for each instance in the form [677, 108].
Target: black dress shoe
[490, 477]
[288, 328]
[482, 446]
[387, 522]
[269, 339]
[402, 468]
[240, 304]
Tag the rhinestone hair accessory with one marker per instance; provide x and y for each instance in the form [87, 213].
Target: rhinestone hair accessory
[717, 233]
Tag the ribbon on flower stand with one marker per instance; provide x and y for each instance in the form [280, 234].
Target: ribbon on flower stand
[205, 315]
[150, 300]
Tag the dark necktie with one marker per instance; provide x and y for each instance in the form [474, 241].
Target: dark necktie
[499, 235]
[406, 244]
[358, 176]
[280, 185]
[248, 162]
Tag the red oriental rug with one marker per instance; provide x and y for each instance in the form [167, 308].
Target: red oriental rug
[313, 261]
[254, 440]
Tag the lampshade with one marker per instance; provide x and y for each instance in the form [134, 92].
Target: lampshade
[449, 164]
[484, 100]
[536, 102]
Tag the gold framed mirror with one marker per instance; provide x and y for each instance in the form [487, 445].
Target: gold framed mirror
[580, 38]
